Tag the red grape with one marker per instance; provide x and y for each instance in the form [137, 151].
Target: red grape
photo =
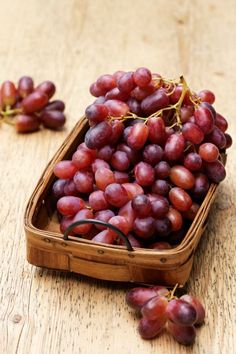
[137, 297]
[27, 123]
[181, 312]
[221, 122]
[157, 132]
[53, 119]
[70, 188]
[97, 201]
[96, 113]
[82, 159]
[98, 163]
[133, 189]
[58, 188]
[25, 86]
[65, 169]
[126, 82]
[163, 227]
[182, 177]
[128, 212]
[47, 87]
[84, 181]
[104, 236]
[120, 161]
[137, 136]
[141, 205]
[217, 137]
[192, 212]
[157, 100]
[8, 91]
[98, 136]
[155, 308]
[207, 96]
[104, 177]
[144, 174]
[121, 177]
[180, 199]
[204, 119]
[149, 329]
[193, 161]
[183, 334]
[103, 215]
[162, 170]
[160, 186]
[160, 206]
[134, 106]
[70, 205]
[175, 218]
[105, 153]
[229, 141]
[142, 77]
[56, 105]
[152, 154]
[106, 83]
[208, 152]
[198, 307]
[144, 227]
[116, 94]
[121, 223]
[34, 102]
[215, 171]
[81, 215]
[192, 133]
[117, 108]
[116, 195]
[201, 186]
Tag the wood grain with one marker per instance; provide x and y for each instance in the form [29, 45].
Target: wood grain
[71, 43]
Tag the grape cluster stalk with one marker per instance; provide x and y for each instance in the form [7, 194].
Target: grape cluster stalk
[28, 107]
[161, 309]
[147, 161]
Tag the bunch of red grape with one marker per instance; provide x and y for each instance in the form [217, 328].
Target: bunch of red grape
[146, 163]
[27, 107]
[161, 309]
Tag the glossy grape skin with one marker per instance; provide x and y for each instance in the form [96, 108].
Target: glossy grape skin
[139, 93]
[193, 161]
[82, 159]
[207, 96]
[157, 132]
[128, 212]
[157, 100]
[208, 152]
[201, 186]
[159, 246]
[162, 170]
[192, 212]
[96, 113]
[121, 177]
[105, 153]
[215, 171]
[138, 135]
[58, 188]
[104, 236]
[152, 154]
[221, 122]
[160, 186]
[181, 312]
[160, 206]
[163, 227]
[144, 174]
[120, 161]
[117, 132]
[65, 169]
[116, 195]
[133, 189]
[97, 201]
[155, 308]
[141, 205]
[217, 137]
[98, 163]
[198, 307]
[106, 83]
[142, 77]
[53, 119]
[135, 106]
[185, 113]
[175, 96]
[192, 133]
[84, 147]
[138, 296]
[144, 227]
[174, 147]
[84, 181]
[70, 188]
[103, 215]
[85, 228]
[117, 75]
[25, 86]
[182, 177]
[116, 94]
[56, 105]
[98, 136]
[121, 223]
[229, 141]
[34, 102]
[133, 155]
[126, 82]
[26, 123]
[95, 90]
[149, 329]
[175, 218]
[104, 177]
[47, 87]
[183, 334]
[204, 119]
[8, 93]
[69, 205]
[180, 199]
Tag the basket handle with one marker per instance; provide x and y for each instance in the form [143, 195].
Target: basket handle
[98, 222]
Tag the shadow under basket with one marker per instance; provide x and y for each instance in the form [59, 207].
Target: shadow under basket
[46, 246]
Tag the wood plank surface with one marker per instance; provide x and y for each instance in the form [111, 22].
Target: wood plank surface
[71, 43]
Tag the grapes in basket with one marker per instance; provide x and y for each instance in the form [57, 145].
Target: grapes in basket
[147, 161]
[27, 107]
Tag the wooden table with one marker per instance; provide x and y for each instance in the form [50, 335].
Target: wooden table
[71, 43]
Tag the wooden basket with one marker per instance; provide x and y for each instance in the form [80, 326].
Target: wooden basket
[47, 248]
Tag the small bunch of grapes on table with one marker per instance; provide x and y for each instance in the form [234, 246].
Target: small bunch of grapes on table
[160, 309]
[28, 107]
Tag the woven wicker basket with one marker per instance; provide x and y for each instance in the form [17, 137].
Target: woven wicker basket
[47, 248]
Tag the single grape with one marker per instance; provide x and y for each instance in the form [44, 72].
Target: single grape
[198, 307]
[139, 93]
[204, 119]
[149, 329]
[96, 113]
[180, 199]
[120, 161]
[116, 94]
[138, 135]
[34, 102]
[155, 308]
[58, 188]
[144, 174]
[201, 186]
[116, 195]
[210, 107]
[53, 119]
[162, 170]
[215, 171]
[142, 77]
[121, 177]
[117, 132]
[128, 212]
[221, 122]
[103, 215]
[229, 141]
[138, 296]
[192, 133]
[56, 105]
[207, 96]
[175, 96]
[183, 334]
[126, 82]
[26, 123]
[133, 155]
[70, 188]
[84, 181]
[192, 212]
[105, 153]
[157, 132]
[25, 86]
[95, 90]
[98, 163]
[98, 136]
[160, 186]
[185, 113]
[97, 201]
[160, 206]
[106, 83]
[181, 312]
[82, 159]
[135, 106]
[65, 169]
[152, 154]
[174, 147]
[208, 152]
[175, 218]
[157, 100]
[144, 227]
[104, 236]
[70, 205]
[8, 93]
[117, 75]
[217, 137]
[133, 189]
[141, 205]
[104, 177]
[81, 215]
[121, 223]
[193, 161]
[182, 177]
[117, 108]
[163, 227]
[84, 147]
[47, 87]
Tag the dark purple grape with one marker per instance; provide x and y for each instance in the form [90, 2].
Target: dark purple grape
[152, 154]
[160, 206]
[163, 227]
[126, 82]
[144, 227]
[162, 170]
[56, 105]
[58, 188]
[98, 136]
[201, 186]
[142, 205]
[161, 186]
[53, 119]
[217, 137]
[215, 171]
[157, 100]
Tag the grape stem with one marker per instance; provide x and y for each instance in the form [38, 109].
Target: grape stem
[171, 294]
